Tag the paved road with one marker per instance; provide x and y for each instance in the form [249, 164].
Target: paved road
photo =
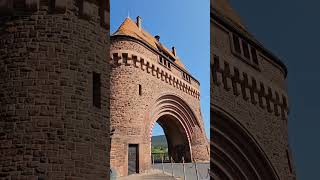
[189, 169]
[152, 175]
[157, 174]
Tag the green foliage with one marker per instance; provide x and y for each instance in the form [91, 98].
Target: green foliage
[159, 149]
[159, 144]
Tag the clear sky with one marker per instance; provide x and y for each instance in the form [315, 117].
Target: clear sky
[290, 28]
[180, 23]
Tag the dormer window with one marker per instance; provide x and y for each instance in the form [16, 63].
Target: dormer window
[254, 56]
[244, 50]
[236, 43]
[125, 57]
[164, 62]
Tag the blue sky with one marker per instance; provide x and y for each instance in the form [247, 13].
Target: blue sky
[180, 23]
[290, 28]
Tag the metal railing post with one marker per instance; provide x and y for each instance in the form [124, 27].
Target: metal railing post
[162, 164]
[196, 170]
[184, 169]
[172, 167]
[153, 159]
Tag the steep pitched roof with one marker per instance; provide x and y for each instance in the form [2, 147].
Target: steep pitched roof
[130, 28]
[224, 8]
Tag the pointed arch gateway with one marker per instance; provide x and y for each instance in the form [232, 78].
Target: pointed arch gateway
[235, 153]
[179, 123]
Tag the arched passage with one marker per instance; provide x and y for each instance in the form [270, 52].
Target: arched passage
[235, 154]
[181, 127]
[178, 143]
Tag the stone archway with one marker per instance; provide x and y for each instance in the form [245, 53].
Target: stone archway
[177, 139]
[183, 130]
[235, 154]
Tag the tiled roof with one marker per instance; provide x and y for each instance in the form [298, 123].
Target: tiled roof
[130, 28]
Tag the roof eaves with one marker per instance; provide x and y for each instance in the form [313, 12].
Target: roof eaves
[233, 26]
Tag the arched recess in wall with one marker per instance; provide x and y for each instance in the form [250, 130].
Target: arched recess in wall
[235, 154]
[177, 120]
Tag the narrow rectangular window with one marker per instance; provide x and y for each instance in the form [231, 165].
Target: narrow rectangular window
[140, 90]
[254, 56]
[236, 43]
[245, 49]
[102, 13]
[96, 89]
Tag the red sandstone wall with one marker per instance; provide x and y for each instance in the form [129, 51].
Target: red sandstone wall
[263, 113]
[49, 128]
[129, 109]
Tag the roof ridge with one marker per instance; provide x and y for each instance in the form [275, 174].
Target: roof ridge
[130, 28]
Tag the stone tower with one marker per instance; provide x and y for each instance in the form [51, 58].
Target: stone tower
[150, 84]
[54, 89]
[249, 104]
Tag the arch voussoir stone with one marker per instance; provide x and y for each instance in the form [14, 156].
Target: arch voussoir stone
[170, 104]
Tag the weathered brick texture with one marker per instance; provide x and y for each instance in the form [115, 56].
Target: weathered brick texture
[49, 128]
[249, 104]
